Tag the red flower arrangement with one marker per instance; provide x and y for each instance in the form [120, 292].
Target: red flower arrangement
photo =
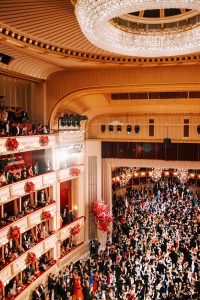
[44, 140]
[30, 186]
[102, 215]
[32, 258]
[76, 229]
[1, 285]
[12, 144]
[75, 171]
[15, 233]
[46, 215]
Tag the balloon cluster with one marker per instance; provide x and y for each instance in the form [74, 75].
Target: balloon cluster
[102, 216]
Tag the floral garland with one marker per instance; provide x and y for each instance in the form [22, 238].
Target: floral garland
[1, 286]
[15, 233]
[46, 215]
[76, 229]
[12, 144]
[32, 258]
[30, 186]
[102, 216]
[75, 171]
[44, 140]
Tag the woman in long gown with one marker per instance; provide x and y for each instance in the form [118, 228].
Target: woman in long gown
[78, 291]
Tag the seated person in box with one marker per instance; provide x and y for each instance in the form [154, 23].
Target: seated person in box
[4, 220]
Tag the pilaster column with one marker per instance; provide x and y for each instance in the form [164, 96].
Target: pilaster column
[78, 193]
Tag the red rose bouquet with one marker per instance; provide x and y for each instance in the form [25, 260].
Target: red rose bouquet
[75, 171]
[44, 140]
[15, 233]
[46, 215]
[30, 186]
[12, 144]
[76, 229]
[102, 216]
[32, 258]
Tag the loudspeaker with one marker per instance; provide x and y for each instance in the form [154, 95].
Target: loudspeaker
[198, 129]
[103, 128]
[129, 128]
[5, 59]
[167, 142]
[110, 128]
[137, 128]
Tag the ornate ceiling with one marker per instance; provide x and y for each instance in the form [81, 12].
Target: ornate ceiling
[43, 36]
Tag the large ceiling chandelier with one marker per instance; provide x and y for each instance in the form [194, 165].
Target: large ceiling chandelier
[95, 19]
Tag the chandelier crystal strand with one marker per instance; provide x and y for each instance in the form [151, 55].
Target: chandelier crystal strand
[94, 15]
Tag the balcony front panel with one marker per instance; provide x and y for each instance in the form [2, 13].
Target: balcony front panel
[37, 181]
[4, 232]
[22, 224]
[18, 189]
[19, 264]
[34, 218]
[51, 208]
[27, 143]
[79, 252]
[6, 274]
[50, 242]
[49, 178]
[65, 231]
[4, 194]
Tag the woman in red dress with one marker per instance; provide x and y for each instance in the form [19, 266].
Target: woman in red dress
[95, 286]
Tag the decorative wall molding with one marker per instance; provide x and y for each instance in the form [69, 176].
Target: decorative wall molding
[24, 40]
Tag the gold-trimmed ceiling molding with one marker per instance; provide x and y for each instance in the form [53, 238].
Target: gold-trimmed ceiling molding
[22, 40]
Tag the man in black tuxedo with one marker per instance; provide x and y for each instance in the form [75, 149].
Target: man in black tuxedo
[36, 294]
[42, 198]
[41, 291]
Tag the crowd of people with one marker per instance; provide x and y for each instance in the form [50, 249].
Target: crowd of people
[29, 239]
[153, 253]
[9, 175]
[28, 276]
[14, 121]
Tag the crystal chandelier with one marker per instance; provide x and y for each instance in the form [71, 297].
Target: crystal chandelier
[94, 19]
[182, 175]
[156, 174]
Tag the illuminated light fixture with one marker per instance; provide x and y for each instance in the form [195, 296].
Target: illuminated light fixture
[150, 173]
[192, 175]
[136, 174]
[142, 173]
[156, 174]
[94, 18]
[175, 173]
[119, 128]
[166, 173]
[103, 128]
[110, 128]
[137, 128]
[129, 128]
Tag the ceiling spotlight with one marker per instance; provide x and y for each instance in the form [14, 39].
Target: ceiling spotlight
[198, 129]
[129, 128]
[103, 128]
[137, 128]
[111, 128]
[119, 128]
